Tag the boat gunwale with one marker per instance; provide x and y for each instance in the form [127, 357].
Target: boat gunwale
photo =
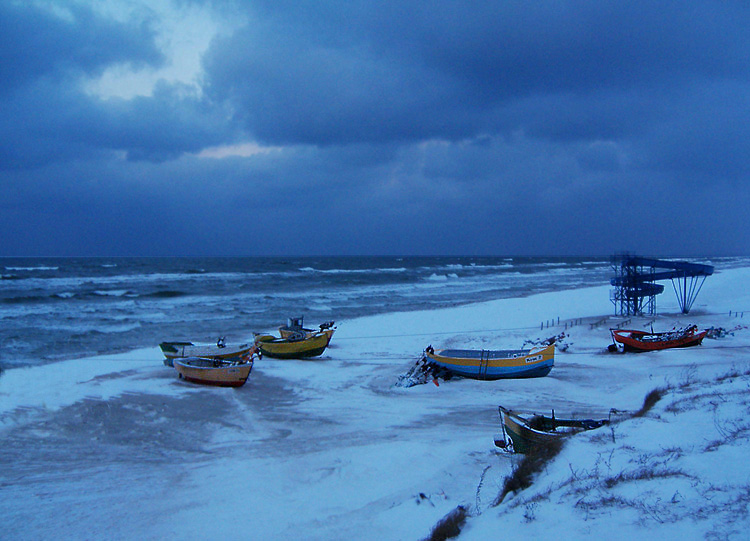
[184, 362]
[516, 425]
[522, 354]
[226, 352]
[225, 374]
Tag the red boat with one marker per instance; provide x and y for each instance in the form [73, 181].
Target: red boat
[640, 341]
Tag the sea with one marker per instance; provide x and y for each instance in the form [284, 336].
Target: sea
[55, 309]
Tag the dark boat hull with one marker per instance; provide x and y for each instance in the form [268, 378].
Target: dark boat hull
[528, 433]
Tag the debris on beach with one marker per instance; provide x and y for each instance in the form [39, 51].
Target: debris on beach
[714, 333]
[559, 340]
[423, 372]
[427, 498]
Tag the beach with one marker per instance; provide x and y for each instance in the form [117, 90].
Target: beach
[115, 446]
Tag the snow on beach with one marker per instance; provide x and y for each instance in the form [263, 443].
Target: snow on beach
[117, 447]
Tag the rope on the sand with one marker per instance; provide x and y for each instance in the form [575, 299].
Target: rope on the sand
[431, 333]
[587, 351]
[570, 323]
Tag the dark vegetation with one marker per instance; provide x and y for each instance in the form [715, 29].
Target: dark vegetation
[650, 401]
[449, 526]
[532, 463]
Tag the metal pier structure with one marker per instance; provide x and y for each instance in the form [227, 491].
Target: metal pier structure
[636, 288]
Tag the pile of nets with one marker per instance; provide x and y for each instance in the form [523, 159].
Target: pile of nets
[559, 340]
[423, 371]
[715, 333]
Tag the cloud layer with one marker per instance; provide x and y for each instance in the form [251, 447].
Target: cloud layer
[552, 128]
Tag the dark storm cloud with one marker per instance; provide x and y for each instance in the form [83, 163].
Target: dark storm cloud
[46, 114]
[321, 73]
[35, 43]
[703, 132]
[402, 127]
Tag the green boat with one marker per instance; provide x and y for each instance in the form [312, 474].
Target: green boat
[523, 433]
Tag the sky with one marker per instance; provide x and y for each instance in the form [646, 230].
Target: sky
[269, 127]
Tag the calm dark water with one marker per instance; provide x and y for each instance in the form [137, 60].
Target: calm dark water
[53, 309]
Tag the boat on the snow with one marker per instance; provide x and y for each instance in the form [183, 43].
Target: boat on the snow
[211, 371]
[310, 344]
[523, 433]
[640, 341]
[295, 329]
[176, 350]
[493, 364]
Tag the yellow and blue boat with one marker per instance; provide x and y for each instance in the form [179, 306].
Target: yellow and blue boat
[493, 364]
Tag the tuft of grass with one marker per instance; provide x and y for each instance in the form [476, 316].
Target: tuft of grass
[449, 526]
[644, 474]
[734, 373]
[650, 401]
[531, 463]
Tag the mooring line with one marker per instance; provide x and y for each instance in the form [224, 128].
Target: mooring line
[431, 333]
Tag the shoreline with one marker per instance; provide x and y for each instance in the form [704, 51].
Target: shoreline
[85, 310]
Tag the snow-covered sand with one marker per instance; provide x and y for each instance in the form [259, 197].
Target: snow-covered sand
[117, 447]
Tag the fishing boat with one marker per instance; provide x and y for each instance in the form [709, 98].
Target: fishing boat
[310, 345]
[493, 364]
[295, 329]
[211, 371]
[523, 433]
[640, 341]
[222, 351]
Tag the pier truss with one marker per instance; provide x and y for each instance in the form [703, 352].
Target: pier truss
[636, 288]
